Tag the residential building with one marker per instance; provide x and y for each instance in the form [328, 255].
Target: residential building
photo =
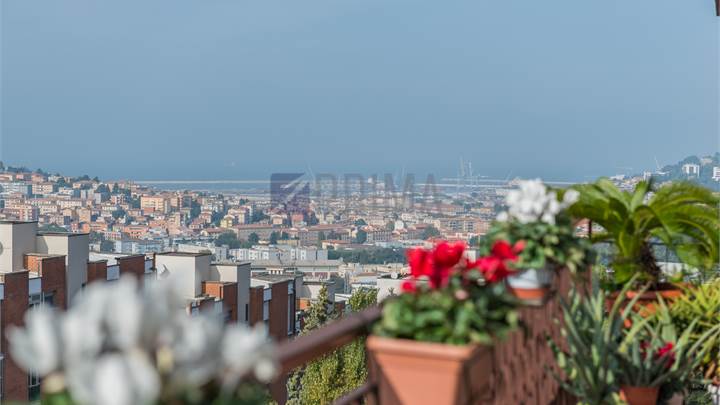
[691, 169]
[201, 281]
[273, 302]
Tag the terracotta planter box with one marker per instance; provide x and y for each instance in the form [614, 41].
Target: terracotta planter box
[410, 372]
[640, 395]
[646, 305]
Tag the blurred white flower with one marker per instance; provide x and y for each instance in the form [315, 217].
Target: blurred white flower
[571, 197]
[37, 347]
[532, 202]
[117, 345]
[246, 350]
[125, 379]
[123, 312]
[196, 349]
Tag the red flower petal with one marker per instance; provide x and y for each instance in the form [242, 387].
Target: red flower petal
[448, 255]
[408, 286]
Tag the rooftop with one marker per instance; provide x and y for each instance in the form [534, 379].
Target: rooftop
[185, 254]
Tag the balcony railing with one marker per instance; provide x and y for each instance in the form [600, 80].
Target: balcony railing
[522, 366]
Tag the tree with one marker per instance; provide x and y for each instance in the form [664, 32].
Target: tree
[360, 236]
[253, 238]
[228, 238]
[274, 238]
[430, 232]
[328, 378]
[369, 256]
[216, 217]
[52, 228]
[107, 246]
[194, 209]
[360, 222]
[103, 188]
[682, 215]
[119, 213]
[258, 216]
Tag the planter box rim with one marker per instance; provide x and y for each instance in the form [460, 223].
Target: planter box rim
[424, 349]
[669, 290]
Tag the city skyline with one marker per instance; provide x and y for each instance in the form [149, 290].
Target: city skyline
[235, 90]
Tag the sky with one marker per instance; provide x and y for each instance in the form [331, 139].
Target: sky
[239, 89]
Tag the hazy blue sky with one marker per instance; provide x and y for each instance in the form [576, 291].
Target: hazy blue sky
[190, 89]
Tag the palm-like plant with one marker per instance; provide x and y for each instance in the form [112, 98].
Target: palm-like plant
[682, 215]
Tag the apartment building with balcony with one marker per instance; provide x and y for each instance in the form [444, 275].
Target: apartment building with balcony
[218, 287]
[46, 269]
[273, 302]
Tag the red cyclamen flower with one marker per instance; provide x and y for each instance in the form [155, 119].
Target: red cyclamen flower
[408, 286]
[666, 353]
[436, 264]
[495, 266]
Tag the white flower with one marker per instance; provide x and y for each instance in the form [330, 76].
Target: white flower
[107, 346]
[125, 379]
[532, 202]
[37, 347]
[571, 197]
[82, 339]
[123, 313]
[196, 349]
[246, 350]
[162, 302]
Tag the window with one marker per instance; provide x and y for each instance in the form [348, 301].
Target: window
[35, 300]
[49, 299]
[266, 310]
[247, 312]
[33, 387]
[41, 299]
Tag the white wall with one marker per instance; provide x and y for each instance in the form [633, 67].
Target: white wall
[16, 239]
[239, 273]
[76, 248]
[189, 270]
[385, 284]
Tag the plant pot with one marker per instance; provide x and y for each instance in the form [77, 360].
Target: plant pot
[639, 395]
[410, 372]
[647, 304]
[531, 284]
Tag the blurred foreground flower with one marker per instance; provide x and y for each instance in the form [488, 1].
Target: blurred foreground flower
[119, 345]
[532, 202]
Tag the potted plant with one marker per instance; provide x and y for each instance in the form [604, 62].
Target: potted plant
[681, 215]
[587, 354]
[117, 345]
[434, 341]
[601, 358]
[653, 357]
[701, 304]
[537, 216]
